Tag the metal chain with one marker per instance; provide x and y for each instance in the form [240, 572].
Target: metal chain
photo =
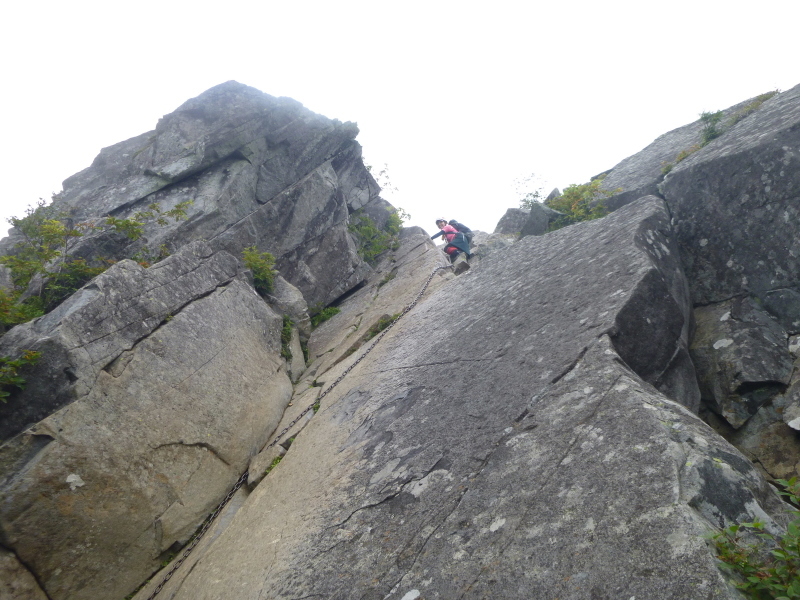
[240, 482]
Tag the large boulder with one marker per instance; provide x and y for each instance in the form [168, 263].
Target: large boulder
[155, 388]
[512, 221]
[742, 358]
[502, 441]
[539, 219]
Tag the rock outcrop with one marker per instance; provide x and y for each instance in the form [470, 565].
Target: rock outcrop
[156, 387]
[528, 459]
[258, 171]
[534, 426]
[734, 202]
[512, 221]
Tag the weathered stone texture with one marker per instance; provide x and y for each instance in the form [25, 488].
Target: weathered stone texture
[538, 220]
[175, 383]
[640, 174]
[736, 205]
[16, 582]
[512, 221]
[258, 170]
[92, 329]
[504, 463]
[742, 358]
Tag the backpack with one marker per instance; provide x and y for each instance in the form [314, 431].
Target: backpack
[463, 229]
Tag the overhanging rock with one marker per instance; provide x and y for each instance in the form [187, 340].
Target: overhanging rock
[496, 443]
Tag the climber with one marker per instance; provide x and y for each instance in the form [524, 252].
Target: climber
[463, 229]
[456, 241]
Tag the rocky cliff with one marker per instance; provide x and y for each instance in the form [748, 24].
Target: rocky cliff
[535, 424]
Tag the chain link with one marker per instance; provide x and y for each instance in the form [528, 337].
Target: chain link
[241, 481]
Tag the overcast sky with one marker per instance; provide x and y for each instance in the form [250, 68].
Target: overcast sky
[460, 99]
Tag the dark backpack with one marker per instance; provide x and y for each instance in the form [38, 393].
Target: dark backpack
[463, 229]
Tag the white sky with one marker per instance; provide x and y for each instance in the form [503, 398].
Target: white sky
[460, 99]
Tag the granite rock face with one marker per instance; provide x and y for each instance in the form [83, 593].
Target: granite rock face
[538, 220]
[736, 205]
[509, 464]
[640, 174]
[259, 171]
[528, 429]
[163, 382]
[742, 358]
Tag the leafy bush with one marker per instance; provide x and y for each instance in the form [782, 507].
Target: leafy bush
[43, 254]
[371, 241]
[323, 315]
[770, 569]
[261, 264]
[10, 369]
[713, 127]
[382, 324]
[710, 123]
[286, 338]
[579, 202]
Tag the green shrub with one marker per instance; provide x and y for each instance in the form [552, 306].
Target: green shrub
[769, 569]
[261, 264]
[382, 324]
[579, 202]
[286, 338]
[10, 372]
[710, 123]
[323, 315]
[47, 237]
[751, 107]
[371, 241]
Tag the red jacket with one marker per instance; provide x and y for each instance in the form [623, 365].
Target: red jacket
[449, 232]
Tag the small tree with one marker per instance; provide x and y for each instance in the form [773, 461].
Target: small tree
[262, 266]
[530, 190]
[579, 202]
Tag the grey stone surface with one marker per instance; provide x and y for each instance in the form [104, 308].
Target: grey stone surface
[640, 174]
[175, 381]
[288, 300]
[538, 220]
[257, 469]
[512, 221]
[16, 582]
[736, 209]
[769, 438]
[506, 464]
[258, 170]
[297, 364]
[93, 329]
[742, 358]
[216, 528]
[483, 244]
[397, 280]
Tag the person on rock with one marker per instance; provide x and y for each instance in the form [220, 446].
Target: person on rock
[456, 241]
